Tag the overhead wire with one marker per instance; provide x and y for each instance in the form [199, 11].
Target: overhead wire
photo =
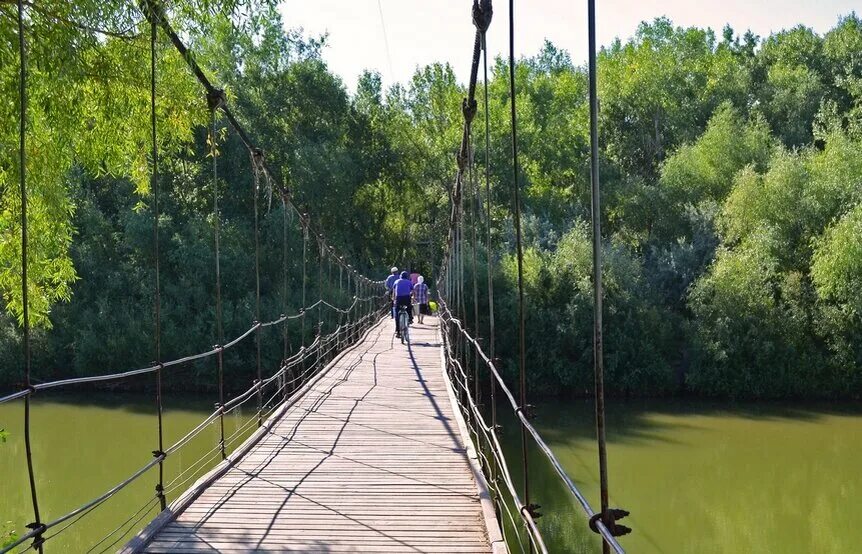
[456, 326]
[385, 39]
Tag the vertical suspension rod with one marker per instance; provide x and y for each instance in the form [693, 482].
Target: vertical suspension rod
[304, 276]
[213, 101]
[474, 220]
[286, 331]
[598, 341]
[25, 297]
[257, 161]
[157, 308]
[522, 377]
[491, 330]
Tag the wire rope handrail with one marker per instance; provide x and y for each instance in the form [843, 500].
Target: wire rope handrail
[320, 351]
[496, 448]
[150, 369]
[159, 457]
[448, 318]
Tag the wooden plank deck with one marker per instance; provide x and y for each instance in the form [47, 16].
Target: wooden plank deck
[371, 458]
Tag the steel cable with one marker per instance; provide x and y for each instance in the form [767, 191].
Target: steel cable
[37, 525]
[526, 515]
[488, 250]
[154, 185]
[158, 460]
[333, 341]
[519, 249]
[596, 216]
[148, 505]
[525, 424]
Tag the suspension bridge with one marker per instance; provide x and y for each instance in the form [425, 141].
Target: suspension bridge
[358, 443]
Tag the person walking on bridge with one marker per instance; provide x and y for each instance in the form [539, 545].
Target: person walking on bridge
[390, 283]
[402, 290]
[420, 295]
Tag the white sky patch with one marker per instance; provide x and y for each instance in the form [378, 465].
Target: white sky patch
[420, 32]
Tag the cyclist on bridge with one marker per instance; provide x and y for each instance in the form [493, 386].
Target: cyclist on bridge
[402, 289]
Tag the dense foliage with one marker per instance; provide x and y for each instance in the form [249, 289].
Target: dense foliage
[731, 178]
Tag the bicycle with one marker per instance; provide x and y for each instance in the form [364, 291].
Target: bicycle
[403, 323]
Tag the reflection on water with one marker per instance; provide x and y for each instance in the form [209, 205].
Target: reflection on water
[697, 477]
[702, 477]
[83, 446]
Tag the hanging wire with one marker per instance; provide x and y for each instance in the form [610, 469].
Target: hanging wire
[286, 331]
[607, 515]
[319, 292]
[157, 296]
[37, 524]
[304, 272]
[474, 221]
[490, 267]
[155, 15]
[329, 278]
[516, 216]
[256, 163]
[214, 100]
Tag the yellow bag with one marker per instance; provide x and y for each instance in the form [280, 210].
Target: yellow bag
[433, 306]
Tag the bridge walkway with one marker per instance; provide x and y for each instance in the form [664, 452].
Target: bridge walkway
[370, 458]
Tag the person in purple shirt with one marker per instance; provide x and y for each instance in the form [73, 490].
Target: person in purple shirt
[402, 289]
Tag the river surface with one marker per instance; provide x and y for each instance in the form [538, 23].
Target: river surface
[697, 477]
[704, 478]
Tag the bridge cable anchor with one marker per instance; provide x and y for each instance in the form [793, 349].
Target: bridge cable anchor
[533, 510]
[615, 514]
[39, 528]
[215, 98]
[529, 411]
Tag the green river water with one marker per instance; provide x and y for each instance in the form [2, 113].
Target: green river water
[697, 477]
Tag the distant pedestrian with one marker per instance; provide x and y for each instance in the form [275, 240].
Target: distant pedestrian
[414, 277]
[420, 295]
[390, 283]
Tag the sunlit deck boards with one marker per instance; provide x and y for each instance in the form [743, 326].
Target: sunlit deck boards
[370, 459]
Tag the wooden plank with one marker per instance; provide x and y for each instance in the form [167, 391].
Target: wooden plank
[371, 458]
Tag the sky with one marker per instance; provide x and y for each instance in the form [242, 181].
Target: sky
[394, 37]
